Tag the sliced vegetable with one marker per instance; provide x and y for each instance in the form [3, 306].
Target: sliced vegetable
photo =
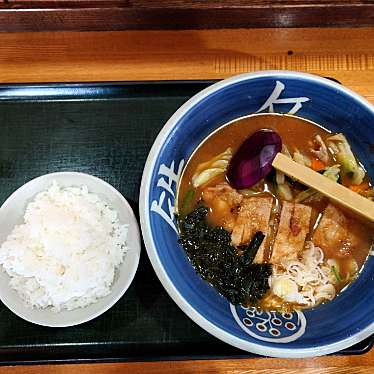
[301, 158]
[280, 178]
[360, 187]
[352, 269]
[317, 165]
[341, 149]
[333, 173]
[304, 195]
[284, 191]
[253, 160]
[286, 151]
[186, 204]
[281, 186]
[212, 168]
[336, 273]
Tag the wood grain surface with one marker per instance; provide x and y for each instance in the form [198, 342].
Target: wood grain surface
[343, 54]
[323, 365]
[89, 15]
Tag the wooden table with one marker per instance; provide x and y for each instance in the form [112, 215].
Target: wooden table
[344, 54]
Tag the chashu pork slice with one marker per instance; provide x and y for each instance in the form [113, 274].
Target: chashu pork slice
[254, 215]
[294, 225]
[222, 201]
[334, 233]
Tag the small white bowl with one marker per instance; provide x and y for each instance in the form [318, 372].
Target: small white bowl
[11, 214]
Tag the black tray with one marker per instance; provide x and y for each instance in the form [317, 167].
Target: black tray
[104, 130]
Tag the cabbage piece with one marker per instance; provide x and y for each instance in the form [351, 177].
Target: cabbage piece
[301, 158]
[304, 195]
[286, 151]
[332, 172]
[284, 191]
[352, 269]
[281, 187]
[206, 171]
[280, 178]
[341, 149]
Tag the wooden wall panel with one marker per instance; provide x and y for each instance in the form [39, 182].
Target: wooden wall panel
[98, 15]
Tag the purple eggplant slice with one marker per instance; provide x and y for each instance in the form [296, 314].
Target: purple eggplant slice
[253, 160]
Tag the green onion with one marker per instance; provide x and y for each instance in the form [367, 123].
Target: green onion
[336, 273]
[187, 201]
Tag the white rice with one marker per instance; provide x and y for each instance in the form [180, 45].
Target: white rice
[66, 252]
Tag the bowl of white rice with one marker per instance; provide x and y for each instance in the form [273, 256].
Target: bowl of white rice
[69, 249]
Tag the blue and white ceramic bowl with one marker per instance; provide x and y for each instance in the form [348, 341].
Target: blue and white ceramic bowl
[328, 328]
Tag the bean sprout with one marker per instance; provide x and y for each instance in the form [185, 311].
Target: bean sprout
[306, 282]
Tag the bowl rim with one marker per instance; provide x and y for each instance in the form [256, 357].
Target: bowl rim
[136, 252]
[243, 344]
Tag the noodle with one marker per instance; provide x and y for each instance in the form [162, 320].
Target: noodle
[307, 282]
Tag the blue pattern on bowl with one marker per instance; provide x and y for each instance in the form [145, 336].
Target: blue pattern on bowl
[327, 328]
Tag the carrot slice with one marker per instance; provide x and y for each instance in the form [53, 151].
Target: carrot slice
[317, 165]
[360, 187]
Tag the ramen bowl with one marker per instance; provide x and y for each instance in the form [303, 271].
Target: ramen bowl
[325, 329]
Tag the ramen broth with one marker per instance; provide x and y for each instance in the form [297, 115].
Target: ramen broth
[297, 135]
